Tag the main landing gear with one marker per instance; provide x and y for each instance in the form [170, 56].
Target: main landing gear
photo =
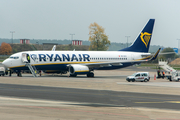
[19, 74]
[10, 72]
[91, 74]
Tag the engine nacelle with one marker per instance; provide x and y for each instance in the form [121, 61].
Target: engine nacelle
[79, 69]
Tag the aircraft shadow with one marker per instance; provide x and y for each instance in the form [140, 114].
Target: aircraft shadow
[98, 105]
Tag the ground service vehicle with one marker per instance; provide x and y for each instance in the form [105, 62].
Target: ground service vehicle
[174, 76]
[139, 76]
[2, 71]
[171, 74]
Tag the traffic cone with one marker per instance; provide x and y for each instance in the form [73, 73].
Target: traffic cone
[154, 77]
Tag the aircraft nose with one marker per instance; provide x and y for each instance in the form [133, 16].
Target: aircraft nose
[6, 63]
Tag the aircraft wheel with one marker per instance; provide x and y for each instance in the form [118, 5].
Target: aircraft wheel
[10, 72]
[90, 74]
[19, 74]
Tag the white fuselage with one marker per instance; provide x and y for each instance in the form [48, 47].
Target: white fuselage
[48, 60]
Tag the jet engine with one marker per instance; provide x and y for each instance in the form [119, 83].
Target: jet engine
[78, 69]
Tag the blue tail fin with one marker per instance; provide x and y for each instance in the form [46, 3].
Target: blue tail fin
[142, 43]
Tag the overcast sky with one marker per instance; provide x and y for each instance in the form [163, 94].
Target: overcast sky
[56, 19]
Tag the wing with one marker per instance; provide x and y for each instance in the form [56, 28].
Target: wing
[117, 63]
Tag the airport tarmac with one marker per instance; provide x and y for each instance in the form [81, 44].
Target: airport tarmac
[112, 81]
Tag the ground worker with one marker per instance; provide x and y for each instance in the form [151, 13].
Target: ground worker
[163, 74]
[28, 58]
[159, 74]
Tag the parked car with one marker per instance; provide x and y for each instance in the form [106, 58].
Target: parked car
[139, 76]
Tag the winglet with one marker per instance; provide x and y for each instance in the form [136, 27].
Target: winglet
[156, 54]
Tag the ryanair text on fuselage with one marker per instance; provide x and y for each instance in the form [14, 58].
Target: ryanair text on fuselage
[61, 57]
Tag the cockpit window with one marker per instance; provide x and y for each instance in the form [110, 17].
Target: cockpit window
[15, 57]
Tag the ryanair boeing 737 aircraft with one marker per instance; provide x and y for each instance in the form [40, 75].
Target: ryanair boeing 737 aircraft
[85, 62]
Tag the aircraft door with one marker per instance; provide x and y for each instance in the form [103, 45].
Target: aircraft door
[25, 58]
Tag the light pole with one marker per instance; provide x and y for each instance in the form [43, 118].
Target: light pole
[127, 39]
[12, 35]
[71, 36]
[178, 45]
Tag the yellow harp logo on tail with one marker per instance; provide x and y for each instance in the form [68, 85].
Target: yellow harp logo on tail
[145, 37]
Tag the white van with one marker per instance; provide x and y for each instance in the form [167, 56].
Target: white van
[139, 76]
